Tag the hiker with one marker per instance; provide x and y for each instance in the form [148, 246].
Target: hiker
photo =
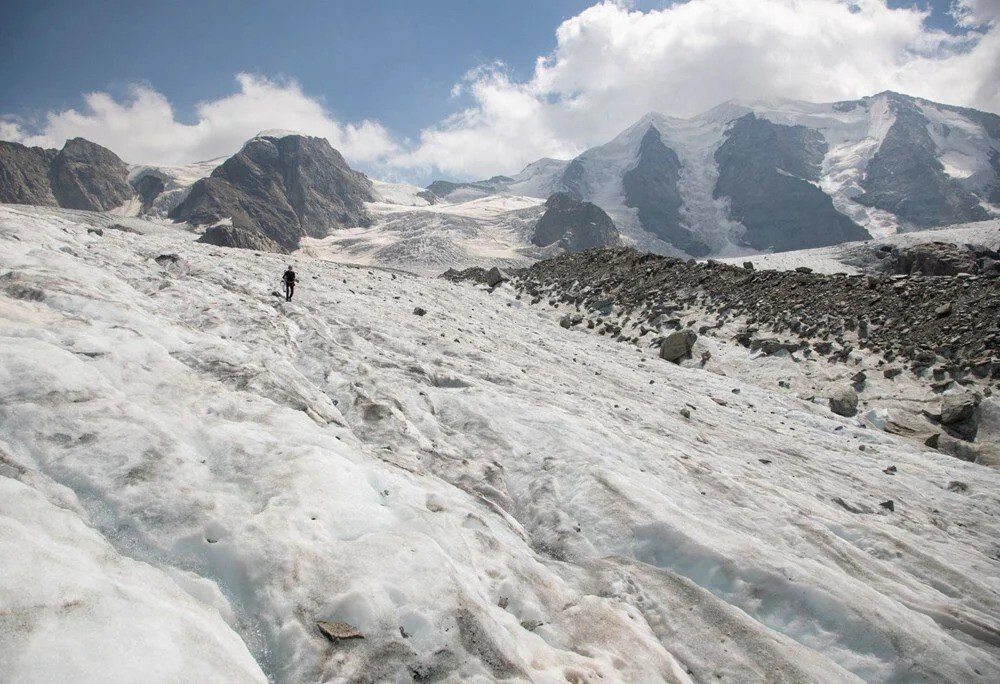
[289, 280]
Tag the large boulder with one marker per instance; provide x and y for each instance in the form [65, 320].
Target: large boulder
[495, 276]
[958, 406]
[574, 225]
[844, 402]
[933, 259]
[286, 188]
[678, 345]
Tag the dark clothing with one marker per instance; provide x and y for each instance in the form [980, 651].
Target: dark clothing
[289, 280]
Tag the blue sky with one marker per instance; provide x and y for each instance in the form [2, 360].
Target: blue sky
[394, 60]
[377, 78]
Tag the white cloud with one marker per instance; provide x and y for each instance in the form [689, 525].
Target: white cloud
[144, 129]
[612, 65]
[976, 12]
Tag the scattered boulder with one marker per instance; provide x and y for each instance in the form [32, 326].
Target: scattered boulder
[419, 311]
[678, 345]
[844, 402]
[958, 406]
[495, 276]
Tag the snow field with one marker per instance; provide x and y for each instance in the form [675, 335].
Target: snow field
[484, 494]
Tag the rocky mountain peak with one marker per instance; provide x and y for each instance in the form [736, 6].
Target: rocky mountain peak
[83, 175]
[574, 225]
[285, 187]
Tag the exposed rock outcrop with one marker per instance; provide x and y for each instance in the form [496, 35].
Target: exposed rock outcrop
[83, 175]
[768, 171]
[286, 188]
[942, 259]
[574, 225]
[651, 188]
[241, 238]
[905, 176]
[24, 174]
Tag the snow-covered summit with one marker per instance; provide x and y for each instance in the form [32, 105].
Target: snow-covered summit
[880, 165]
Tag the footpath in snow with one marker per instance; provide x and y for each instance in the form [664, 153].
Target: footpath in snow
[193, 473]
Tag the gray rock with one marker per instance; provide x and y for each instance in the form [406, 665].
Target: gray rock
[83, 175]
[678, 345]
[772, 345]
[906, 178]
[768, 171]
[285, 188]
[87, 176]
[574, 225]
[651, 188]
[441, 189]
[495, 276]
[24, 174]
[241, 238]
[419, 311]
[958, 406]
[844, 402]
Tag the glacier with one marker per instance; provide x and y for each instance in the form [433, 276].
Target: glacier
[193, 473]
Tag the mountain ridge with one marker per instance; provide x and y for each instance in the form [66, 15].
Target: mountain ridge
[963, 161]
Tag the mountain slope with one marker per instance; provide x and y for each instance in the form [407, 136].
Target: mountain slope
[285, 187]
[82, 175]
[482, 493]
[882, 164]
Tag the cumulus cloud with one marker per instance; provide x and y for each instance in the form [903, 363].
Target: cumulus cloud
[145, 129]
[612, 65]
[975, 13]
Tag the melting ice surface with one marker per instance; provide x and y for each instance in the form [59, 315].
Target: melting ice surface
[194, 472]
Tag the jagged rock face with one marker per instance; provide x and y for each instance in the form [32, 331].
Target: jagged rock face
[942, 259]
[24, 174]
[285, 188]
[85, 175]
[573, 179]
[765, 171]
[906, 178]
[574, 224]
[651, 187]
[149, 188]
[82, 175]
[242, 238]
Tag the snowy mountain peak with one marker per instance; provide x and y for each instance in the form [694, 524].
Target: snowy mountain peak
[882, 164]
